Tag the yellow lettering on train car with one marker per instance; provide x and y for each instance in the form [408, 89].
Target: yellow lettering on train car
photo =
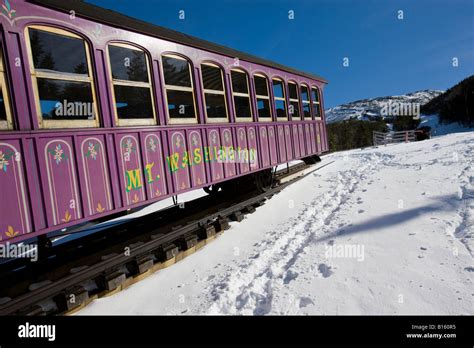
[231, 153]
[190, 158]
[206, 154]
[185, 162]
[253, 155]
[134, 179]
[173, 161]
[222, 154]
[148, 172]
[197, 155]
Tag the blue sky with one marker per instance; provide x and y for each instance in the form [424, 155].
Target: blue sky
[387, 56]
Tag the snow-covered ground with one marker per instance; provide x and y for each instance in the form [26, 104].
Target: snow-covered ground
[386, 230]
[437, 128]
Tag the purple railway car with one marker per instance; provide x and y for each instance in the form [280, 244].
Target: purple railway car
[100, 113]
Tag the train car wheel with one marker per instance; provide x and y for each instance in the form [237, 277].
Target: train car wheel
[264, 180]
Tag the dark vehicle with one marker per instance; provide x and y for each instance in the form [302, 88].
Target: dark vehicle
[423, 133]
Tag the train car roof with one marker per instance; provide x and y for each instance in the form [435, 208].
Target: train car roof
[116, 19]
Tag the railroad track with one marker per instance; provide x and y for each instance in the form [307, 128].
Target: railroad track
[69, 278]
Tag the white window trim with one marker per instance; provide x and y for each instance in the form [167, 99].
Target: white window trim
[297, 100]
[8, 123]
[236, 94]
[35, 74]
[118, 82]
[317, 103]
[267, 97]
[281, 99]
[216, 92]
[166, 88]
[303, 101]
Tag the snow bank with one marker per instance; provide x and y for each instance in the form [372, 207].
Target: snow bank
[442, 129]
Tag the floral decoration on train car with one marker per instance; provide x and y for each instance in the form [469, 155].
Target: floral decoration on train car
[10, 233]
[58, 154]
[227, 136]
[67, 217]
[251, 133]
[4, 160]
[135, 199]
[194, 140]
[7, 9]
[178, 141]
[214, 138]
[100, 208]
[128, 146]
[152, 145]
[92, 150]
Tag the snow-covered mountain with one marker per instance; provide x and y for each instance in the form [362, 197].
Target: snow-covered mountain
[367, 108]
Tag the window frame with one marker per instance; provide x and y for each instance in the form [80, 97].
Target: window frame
[237, 94]
[319, 118]
[303, 117]
[8, 123]
[191, 89]
[295, 100]
[280, 98]
[34, 74]
[112, 82]
[268, 97]
[216, 92]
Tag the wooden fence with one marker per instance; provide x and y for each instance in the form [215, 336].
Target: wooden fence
[380, 138]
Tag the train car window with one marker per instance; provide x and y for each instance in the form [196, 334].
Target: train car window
[60, 67]
[263, 98]
[241, 95]
[179, 88]
[294, 101]
[131, 85]
[5, 111]
[305, 101]
[214, 93]
[279, 96]
[316, 104]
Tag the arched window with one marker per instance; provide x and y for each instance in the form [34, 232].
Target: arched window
[131, 85]
[61, 71]
[215, 103]
[280, 101]
[5, 111]
[306, 102]
[263, 98]
[316, 104]
[179, 89]
[294, 100]
[241, 95]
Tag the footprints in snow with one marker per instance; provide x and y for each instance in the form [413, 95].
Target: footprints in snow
[325, 270]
